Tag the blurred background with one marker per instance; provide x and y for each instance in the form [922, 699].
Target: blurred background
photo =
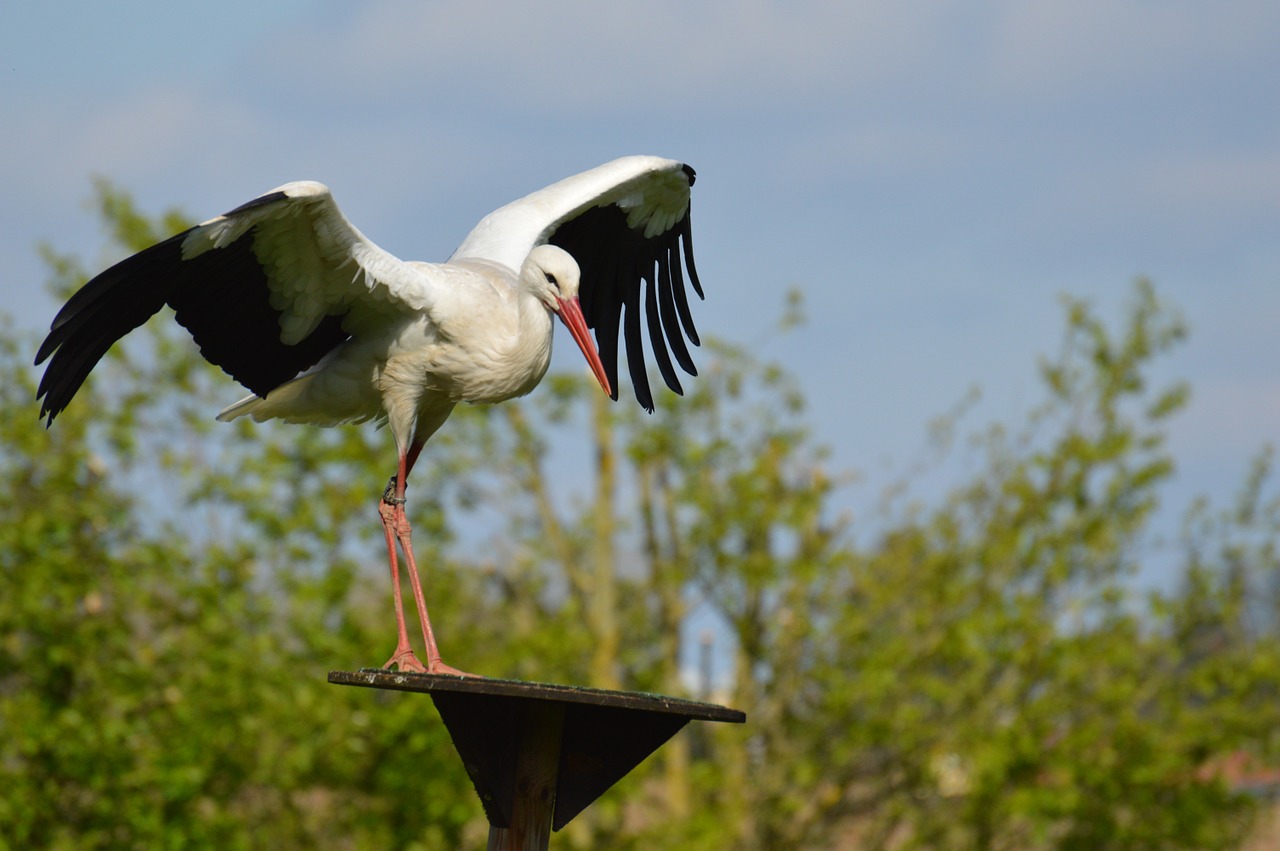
[970, 509]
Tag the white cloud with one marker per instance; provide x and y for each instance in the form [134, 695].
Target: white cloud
[1060, 47]
[1236, 183]
[564, 56]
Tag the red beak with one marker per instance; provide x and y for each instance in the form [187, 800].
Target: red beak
[571, 316]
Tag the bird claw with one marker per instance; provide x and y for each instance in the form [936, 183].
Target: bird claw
[441, 668]
[407, 662]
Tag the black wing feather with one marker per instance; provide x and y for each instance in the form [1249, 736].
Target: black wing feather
[616, 262]
[656, 341]
[224, 302]
[220, 296]
[671, 279]
[635, 348]
[603, 318]
[99, 313]
[685, 226]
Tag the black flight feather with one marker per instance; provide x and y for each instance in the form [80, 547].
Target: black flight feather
[221, 296]
[616, 262]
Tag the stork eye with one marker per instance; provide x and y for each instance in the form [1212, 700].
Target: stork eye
[551, 279]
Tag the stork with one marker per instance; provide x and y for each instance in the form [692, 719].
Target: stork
[324, 327]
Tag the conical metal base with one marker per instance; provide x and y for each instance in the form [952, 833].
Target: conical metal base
[602, 734]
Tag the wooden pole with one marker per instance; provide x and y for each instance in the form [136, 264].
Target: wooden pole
[537, 775]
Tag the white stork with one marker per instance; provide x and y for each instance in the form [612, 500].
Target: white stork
[324, 327]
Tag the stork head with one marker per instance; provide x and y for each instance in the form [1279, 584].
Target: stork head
[553, 276]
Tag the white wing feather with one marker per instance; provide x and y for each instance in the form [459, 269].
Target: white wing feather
[654, 192]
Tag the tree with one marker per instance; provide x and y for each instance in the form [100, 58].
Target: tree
[165, 622]
[976, 670]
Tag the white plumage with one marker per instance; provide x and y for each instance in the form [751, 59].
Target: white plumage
[324, 327]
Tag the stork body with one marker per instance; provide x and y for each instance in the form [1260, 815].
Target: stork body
[326, 328]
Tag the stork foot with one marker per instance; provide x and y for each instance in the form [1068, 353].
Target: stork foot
[441, 668]
[405, 661]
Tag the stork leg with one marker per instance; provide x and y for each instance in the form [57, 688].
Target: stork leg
[395, 526]
[403, 657]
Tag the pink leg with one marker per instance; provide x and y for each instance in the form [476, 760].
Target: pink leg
[403, 658]
[395, 525]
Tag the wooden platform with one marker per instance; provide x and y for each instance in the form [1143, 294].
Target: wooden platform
[536, 749]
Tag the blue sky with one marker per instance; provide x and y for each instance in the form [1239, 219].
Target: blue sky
[931, 174]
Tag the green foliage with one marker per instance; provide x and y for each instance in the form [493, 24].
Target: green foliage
[976, 670]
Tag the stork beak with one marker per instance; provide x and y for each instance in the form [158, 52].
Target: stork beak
[571, 316]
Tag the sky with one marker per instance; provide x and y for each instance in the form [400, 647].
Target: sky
[932, 175]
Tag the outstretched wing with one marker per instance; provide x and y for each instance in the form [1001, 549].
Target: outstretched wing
[627, 224]
[263, 289]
